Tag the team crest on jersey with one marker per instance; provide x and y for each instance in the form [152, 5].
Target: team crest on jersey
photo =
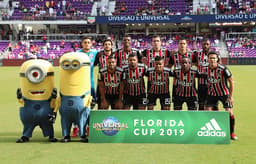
[91, 55]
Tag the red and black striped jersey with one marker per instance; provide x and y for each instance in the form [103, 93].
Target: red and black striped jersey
[101, 60]
[202, 60]
[217, 80]
[134, 80]
[158, 83]
[175, 58]
[122, 56]
[185, 82]
[111, 80]
[150, 55]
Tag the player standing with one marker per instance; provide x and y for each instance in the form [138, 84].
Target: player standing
[86, 44]
[101, 57]
[220, 88]
[202, 60]
[156, 50]
[101, 60]
[176, 57]
[123, 53]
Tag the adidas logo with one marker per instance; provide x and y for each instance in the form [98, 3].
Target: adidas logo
[211, 128]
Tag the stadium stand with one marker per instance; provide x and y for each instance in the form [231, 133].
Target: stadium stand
[236, 6]
[242, 48]
[151, 7]
[3, 45]
[51, 10]
[80, 9]
[53, 49]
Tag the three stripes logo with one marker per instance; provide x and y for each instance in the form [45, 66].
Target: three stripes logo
[211, 128]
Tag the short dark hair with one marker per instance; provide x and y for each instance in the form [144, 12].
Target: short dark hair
[213, 52]
[127, 36]
[206, 39]
[112, 56]
[182, 38]
[186, 57]
[108, 40]
[156, 36]
[86, 37]
[132, 55]
[159, 58]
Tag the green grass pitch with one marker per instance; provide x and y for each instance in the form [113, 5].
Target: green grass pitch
[38, 150]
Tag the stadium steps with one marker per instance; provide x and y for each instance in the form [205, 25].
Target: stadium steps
[223, 49]
[109, 4]
[94, 9]
[111, 8]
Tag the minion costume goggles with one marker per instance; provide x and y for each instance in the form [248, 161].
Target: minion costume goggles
[36, 74]
[74, 64]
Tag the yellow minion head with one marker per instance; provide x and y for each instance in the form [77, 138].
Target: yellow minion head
[74, 74]
[36, 79]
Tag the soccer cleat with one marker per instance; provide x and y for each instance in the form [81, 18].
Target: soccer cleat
[75, 131]
[52, 139]
[84, 139]
[22, 139]
[87, 131]
[233, 136]
[93, 103]
[66, 139]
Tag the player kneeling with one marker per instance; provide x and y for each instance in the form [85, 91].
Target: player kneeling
[158, 85]
[185, 89]
[111, 85]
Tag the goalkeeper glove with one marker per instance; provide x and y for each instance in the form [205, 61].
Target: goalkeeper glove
[54, 93]
[19, 94]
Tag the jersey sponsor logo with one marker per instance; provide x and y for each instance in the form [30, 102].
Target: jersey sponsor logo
[113, 85]
[125, 62]
[214, 81]
[185, 84]
[133, 81]
[159, 83]
[152, 60]
[211, 129]
[202, 63]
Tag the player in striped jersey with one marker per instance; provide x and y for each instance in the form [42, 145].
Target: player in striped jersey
[185, 90]
[134, 85]
[101, 60]
[111, 85]
[158, 85]
[176, 57]
[101, 57]
[156, 50]
[123, 53]
[202, 61]
[220, 88]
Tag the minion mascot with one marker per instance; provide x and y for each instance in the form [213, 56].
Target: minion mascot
[37, 97]
[75, 93]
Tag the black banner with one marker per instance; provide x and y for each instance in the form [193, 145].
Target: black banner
[242, 61]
